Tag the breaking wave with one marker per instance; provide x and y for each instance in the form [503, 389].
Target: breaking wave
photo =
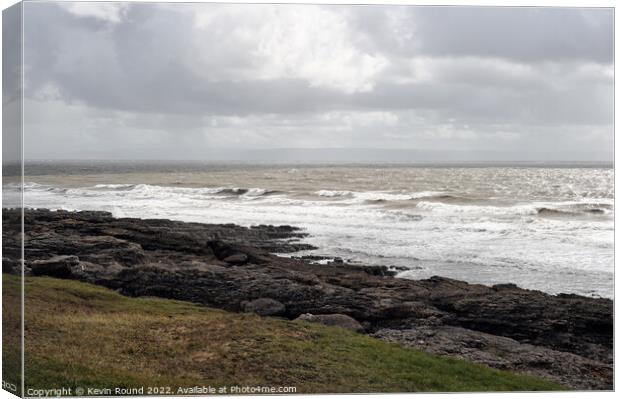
[148, 189]
[331, 194]
[382, 196]
[542, 209]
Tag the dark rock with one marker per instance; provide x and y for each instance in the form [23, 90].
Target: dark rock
[221, 250]
[11, 265]
[56, 266]
[378, 270]
[264, 307]
[312, 257]
[575, 324]
[508, 286]
[338, 320]
[504, 353]
[236, 259]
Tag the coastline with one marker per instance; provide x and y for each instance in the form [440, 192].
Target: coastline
[233, 268]
[565, 231]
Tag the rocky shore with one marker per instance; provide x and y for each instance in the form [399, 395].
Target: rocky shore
[564, 338]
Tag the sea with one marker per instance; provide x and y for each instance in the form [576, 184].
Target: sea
[543, 227]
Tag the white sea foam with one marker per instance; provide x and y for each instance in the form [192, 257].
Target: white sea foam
[381, 196]
[428, 194]
[330, 193]
[114, 186]
[359, 196]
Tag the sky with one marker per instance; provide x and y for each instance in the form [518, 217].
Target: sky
[258, 82]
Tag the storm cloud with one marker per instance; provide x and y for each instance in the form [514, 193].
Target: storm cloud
[186, 81]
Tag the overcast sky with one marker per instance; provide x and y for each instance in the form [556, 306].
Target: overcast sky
[201, 81]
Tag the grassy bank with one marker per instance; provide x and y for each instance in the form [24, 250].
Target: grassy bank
[80, 335]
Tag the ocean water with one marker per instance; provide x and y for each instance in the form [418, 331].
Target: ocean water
[545, 228]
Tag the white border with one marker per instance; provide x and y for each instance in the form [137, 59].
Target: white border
[554, 3]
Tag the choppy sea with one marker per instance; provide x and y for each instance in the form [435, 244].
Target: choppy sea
[541, 227]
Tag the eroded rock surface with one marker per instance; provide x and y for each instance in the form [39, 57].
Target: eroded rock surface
[505, 354]
[233, 268]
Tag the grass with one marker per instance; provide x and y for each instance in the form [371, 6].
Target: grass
[81, 335]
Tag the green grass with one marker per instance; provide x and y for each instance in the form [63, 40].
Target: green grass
[81, 335]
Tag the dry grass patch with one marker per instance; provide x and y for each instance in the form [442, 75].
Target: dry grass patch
[80, 335]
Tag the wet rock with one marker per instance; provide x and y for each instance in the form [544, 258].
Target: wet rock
[507, 286]
[338, 320]
[236, 259]
[312, 258]
[378, 270]
[56, 266]
[264, 307]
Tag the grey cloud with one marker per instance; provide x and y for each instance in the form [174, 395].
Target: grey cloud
[519, 33]
[524, 34]
[510, 76]
[11, 86]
